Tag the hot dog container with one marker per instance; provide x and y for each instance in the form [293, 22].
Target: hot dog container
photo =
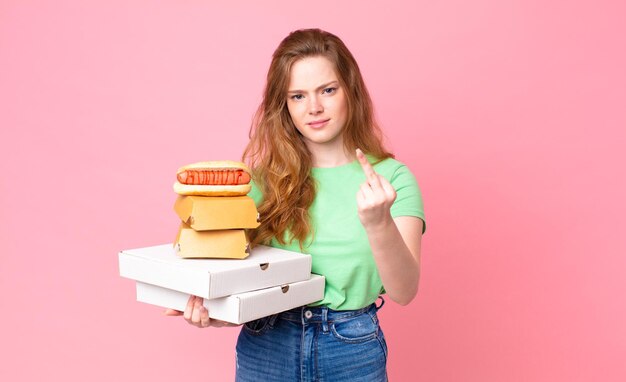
[203, 213]
[224, 244]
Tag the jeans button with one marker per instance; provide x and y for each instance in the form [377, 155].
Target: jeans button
[308, 314]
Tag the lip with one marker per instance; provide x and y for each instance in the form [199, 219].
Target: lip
[319, 123]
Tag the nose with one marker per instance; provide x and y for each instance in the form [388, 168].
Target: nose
[315, 106]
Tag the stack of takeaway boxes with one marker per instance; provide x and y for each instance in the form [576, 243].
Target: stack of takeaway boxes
[211, 258]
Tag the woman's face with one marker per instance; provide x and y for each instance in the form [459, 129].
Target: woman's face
[317, 103]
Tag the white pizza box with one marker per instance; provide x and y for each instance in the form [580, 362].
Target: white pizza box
[212, 278]
[241, 307]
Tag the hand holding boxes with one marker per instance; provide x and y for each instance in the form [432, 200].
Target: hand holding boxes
[269, 281]
[211, 255]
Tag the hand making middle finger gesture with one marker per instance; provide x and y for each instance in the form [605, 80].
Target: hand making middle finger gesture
[375, 197]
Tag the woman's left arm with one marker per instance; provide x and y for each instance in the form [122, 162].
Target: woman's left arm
[395, 242]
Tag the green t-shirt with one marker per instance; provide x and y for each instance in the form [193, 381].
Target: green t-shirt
[339, 247]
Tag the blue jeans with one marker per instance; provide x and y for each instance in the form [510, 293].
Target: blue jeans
[313, 344]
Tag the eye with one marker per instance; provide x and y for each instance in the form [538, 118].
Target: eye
[329, 91]
[297, 97]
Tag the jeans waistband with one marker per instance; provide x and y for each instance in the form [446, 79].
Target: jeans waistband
[317, 314]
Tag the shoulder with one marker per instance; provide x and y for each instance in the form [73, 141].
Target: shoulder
[409, 197]
[394, 171]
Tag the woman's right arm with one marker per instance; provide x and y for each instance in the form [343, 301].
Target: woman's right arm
[197, 315]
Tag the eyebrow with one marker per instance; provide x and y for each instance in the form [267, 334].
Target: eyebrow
[318, 88]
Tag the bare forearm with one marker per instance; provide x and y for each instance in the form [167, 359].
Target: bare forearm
[398, 267]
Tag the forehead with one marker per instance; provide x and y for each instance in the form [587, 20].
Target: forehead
[310, 72]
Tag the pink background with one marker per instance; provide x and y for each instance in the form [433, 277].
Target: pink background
[510, 113]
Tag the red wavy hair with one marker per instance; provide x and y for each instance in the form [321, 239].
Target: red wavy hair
[278, 156]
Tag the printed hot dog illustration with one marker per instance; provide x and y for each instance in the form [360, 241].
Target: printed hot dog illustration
[213, 178]
[226, 176]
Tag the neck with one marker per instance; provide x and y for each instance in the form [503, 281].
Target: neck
[325, 156]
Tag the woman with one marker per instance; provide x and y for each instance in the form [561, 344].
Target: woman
[311, 144]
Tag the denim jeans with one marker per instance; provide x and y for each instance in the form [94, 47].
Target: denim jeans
[313, 344]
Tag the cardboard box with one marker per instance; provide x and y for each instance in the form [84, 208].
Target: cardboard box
[220, 244]
[203, 213]
[213, 278]
[242, 307]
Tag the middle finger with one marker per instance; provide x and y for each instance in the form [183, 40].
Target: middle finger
[370, 174]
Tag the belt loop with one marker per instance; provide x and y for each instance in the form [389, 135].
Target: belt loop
[382, 302]
[272, 319]
[325, 319]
